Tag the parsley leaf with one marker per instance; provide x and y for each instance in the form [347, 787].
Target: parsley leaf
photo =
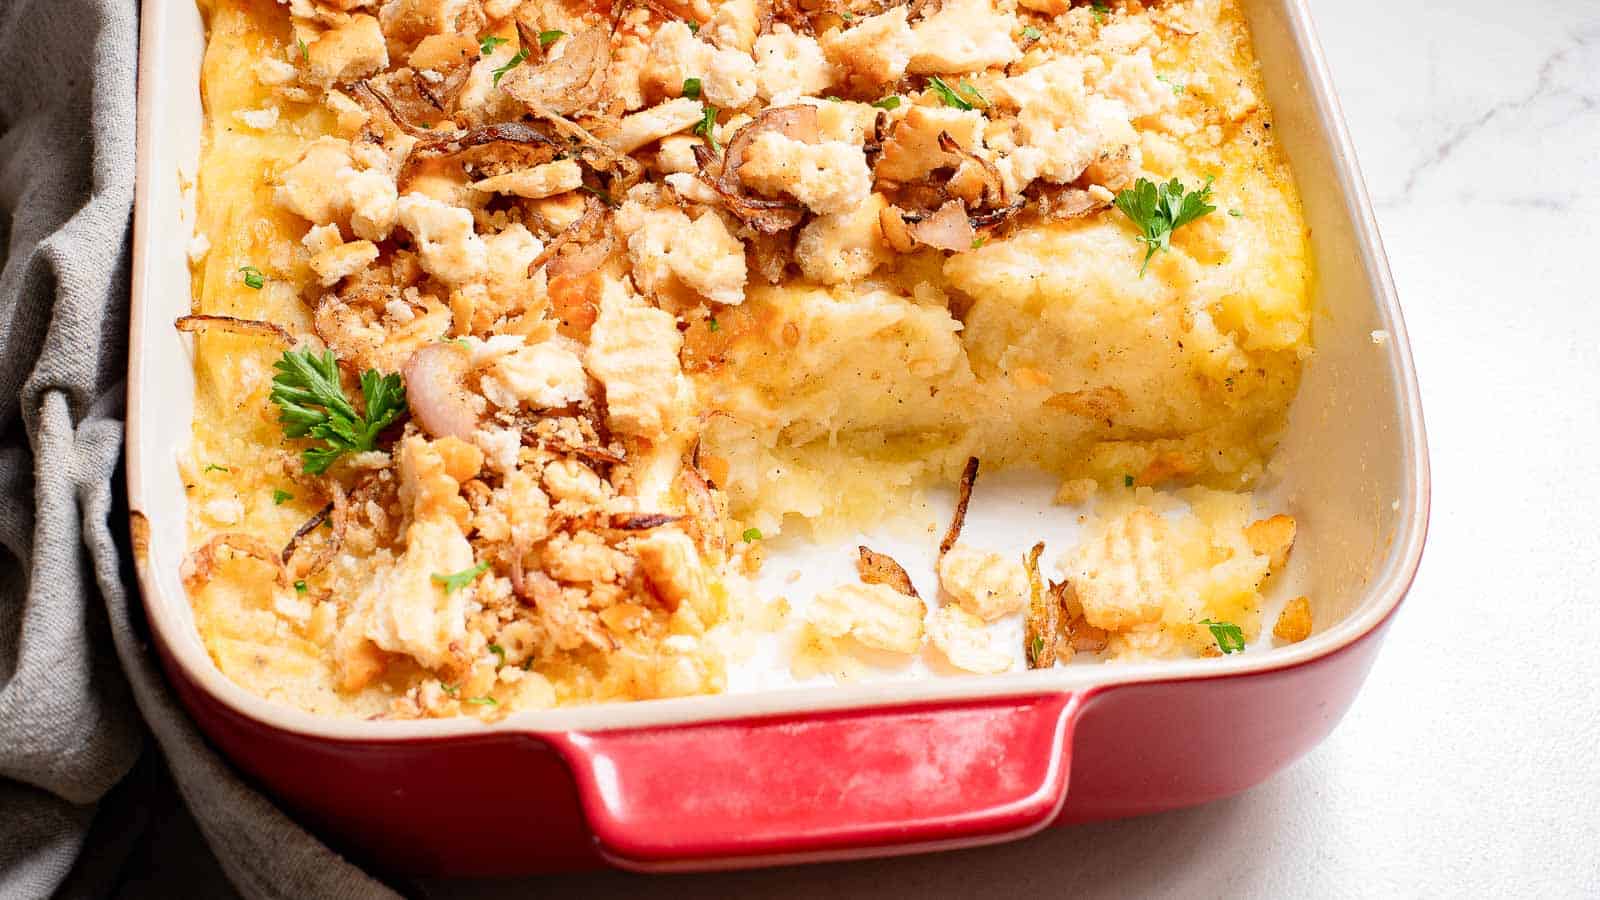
[971, 90]
[213, 467]
[546, 38]
[482, 701]
[455, 581]
[300, 587]
[1177, 88]
[305, 52]
[1127, 481]
[499, 651]
[691, 88]
[1236, 213]
[713, 326]
[511, 63]
[1100, 11]
[281, 496]
[1031, 33]
[694, 27]
[311, 403]
[252, 277]
[947, 93]
[1229, 637]
[751, 534]
[487, 45]
[708, 122]
[1158, 211]
[890, 102]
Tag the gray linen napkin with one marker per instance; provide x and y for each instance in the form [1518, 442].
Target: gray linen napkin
[76, 674]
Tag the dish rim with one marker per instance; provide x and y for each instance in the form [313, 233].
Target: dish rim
[1377, 601]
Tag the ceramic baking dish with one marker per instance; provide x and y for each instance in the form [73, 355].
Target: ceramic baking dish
[804, 773]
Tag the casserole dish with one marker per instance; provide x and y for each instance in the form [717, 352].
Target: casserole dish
[762, 776]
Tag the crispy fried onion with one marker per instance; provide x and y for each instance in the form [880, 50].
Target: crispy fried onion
[1062, 202]
[880, 568]
[457, 142]
[994, 188]
[705, 516]
[642, 521]
[1042, 621]
[947, 229]
[196, 324]
[436, 390]
[335, 514]
[625, 170]
[375, 100]
[202, 563]
[570, 83]
[594, 211]
[969, 476]
[797, 122]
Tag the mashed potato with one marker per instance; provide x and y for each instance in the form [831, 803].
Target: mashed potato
[835, 262]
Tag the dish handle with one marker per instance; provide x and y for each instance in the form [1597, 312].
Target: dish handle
[833, 785]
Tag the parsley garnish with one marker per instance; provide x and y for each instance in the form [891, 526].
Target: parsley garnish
[704, 128]
[253, 277]
[487, 45]
[1100, 11]
[458, 580]
[947, 93]
[691, 88]
[971, 90]
[751, 534]
[213, 467]
[546, 38]
[1127, 481]
[1031, 33]
[1235, 213]
[300, 587]
[449, 688]
[1229, 637]
[890, 102]
[979, 241]
[1176, 87]
[1159, 210]
[305, 52]
[499, 651]
[482, 701]
[311, 403]
[1036, 649]
[712, 324]
[848, 16]
[694, 27]
[511, 63]
[281, 496]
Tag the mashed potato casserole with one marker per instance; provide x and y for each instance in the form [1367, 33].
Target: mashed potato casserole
[519, 326]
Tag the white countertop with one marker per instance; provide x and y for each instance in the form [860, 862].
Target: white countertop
[1470, 764]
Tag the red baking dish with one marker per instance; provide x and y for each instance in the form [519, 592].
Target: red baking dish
[868, 769]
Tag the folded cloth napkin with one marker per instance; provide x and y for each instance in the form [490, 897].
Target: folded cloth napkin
[79, 687]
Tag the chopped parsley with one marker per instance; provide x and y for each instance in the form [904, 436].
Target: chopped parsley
[487, 45]
[252, 277]
[751, 534]
[694, 27]
[305, 52]
[1176, 87]
[712, 324]
[890, 102]
[1036, 649]
[546, 38]
[948, 94]
[971, 90]
[455, 581]
[1100, 12]
[1229, 637]
[499, 651]
[707, 125]
[1031, 33]
[691, 88]
[482, 701]
[979, 241]
[848, 16]
[300, 587]
[511, 63]
[213, 467]
[281, 496]
[1236, 213]
[1127, 481]
[312, 403]
[1159, 210]
[449, 688]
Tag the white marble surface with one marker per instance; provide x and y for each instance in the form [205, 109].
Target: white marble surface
[1470, 765]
